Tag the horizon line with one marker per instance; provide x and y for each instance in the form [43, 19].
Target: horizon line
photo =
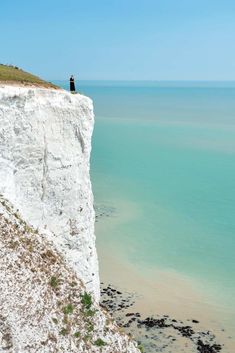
[142, 80]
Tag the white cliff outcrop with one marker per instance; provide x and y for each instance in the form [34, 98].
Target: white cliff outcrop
[45, 144]
[48, 259]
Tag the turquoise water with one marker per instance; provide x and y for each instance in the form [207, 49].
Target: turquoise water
[164, 158]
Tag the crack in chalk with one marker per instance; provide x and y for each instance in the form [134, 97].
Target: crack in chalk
[44, 168]
[80, 139]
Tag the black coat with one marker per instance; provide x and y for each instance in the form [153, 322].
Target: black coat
[72, 84]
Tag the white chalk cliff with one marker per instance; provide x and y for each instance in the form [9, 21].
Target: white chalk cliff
[45, 144]
[48, 258]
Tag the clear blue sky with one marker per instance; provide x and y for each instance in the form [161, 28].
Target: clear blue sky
[120, 39]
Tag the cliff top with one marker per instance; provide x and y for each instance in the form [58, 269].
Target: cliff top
[12, 74]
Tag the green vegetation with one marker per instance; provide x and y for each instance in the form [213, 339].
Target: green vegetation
[11, 74]
[54, 282]
[100, 343]
[86, 300]
[55, 320]
[141, 348]
[68, 309]
[89, 313]
[77, 334]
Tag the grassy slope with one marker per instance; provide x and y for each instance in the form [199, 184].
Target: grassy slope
[11, 74]
[40, 289]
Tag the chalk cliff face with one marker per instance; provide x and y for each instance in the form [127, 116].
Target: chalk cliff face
[45, 145]
[48, 260]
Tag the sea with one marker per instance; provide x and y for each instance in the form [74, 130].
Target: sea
[163, 176]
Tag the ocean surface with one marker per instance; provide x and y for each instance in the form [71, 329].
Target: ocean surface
[163, 175]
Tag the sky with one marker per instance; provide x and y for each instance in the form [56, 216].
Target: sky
[120, 39]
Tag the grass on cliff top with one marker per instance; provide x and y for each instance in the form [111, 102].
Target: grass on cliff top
[13, 74]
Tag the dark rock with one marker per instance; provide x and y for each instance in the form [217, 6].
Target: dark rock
[206, 348]
[186, 331]
[130, 314]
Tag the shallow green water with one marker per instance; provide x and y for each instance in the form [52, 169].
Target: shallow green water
[164, 157]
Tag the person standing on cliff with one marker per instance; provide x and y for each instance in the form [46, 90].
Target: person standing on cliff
[72, 84]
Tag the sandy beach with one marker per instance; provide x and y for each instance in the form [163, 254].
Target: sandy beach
[171, 295]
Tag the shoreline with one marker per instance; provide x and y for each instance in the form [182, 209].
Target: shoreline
[170, 297]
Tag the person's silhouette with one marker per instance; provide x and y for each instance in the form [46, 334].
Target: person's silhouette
[72, 84]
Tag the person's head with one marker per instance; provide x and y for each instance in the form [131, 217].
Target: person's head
[71, 76]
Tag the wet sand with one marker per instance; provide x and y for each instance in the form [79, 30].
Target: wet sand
[169, 296]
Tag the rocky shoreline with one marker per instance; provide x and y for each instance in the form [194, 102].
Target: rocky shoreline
[157, 333]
